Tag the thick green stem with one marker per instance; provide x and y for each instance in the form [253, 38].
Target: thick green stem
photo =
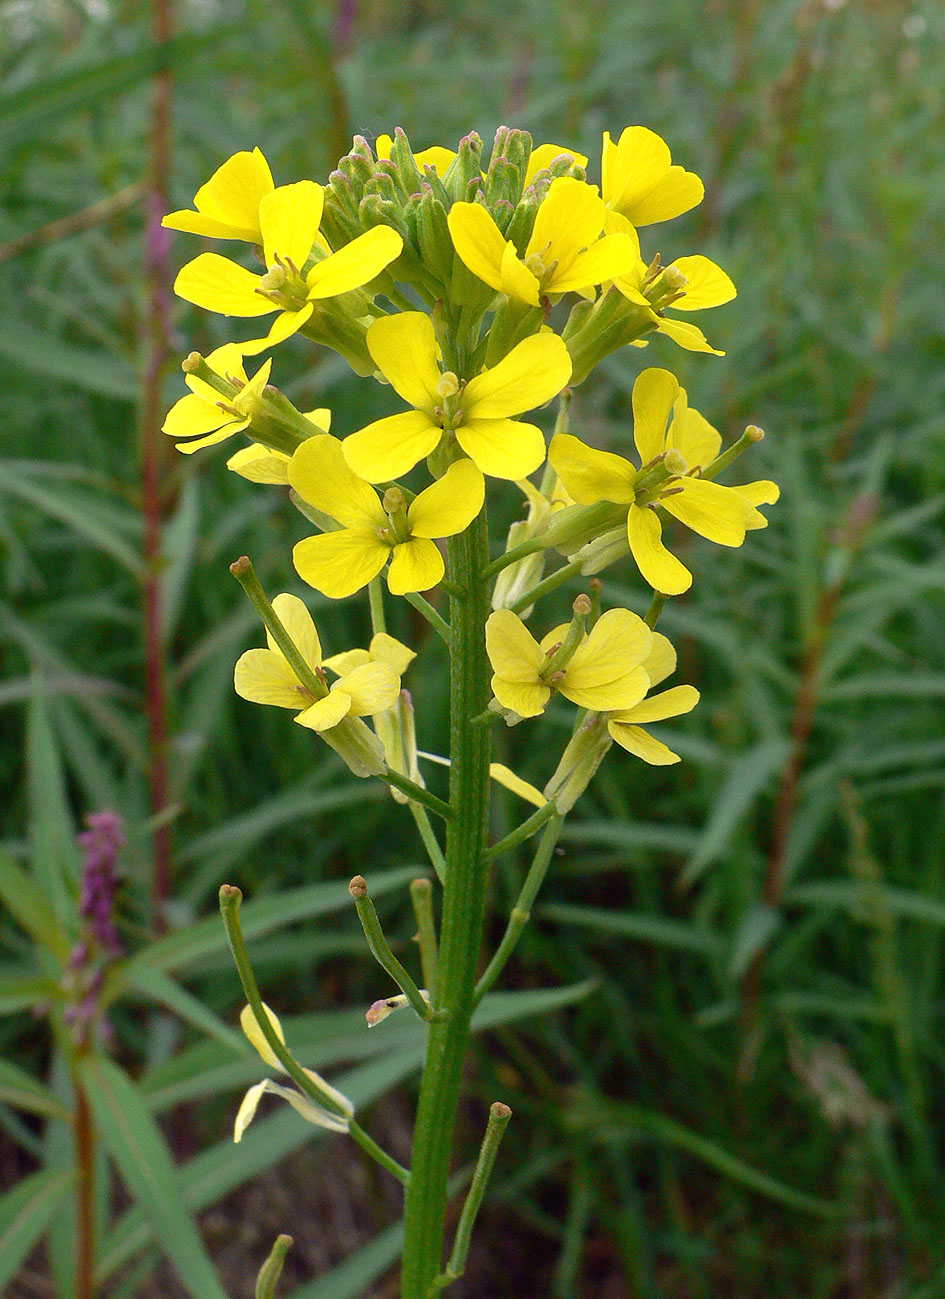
[464, 904]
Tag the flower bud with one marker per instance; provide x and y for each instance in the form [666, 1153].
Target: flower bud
[603, 550]
[433, 235]
[464, 167]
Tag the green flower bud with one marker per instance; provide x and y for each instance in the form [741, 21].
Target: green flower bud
[433, 236]
[464, 167]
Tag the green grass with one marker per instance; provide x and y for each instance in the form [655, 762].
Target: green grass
[748, 1103]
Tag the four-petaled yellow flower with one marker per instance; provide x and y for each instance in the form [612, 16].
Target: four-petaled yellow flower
[566, 251]
[687, 284]
[604, 672]
[377, 529]
[639, 180]
[309, 1109]
[264, 676]
[625, 726]
[204, 417]
[289, 217]
[228, 205]
[672, 459]
[475, 414]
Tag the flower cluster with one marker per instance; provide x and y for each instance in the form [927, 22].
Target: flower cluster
[478, 290]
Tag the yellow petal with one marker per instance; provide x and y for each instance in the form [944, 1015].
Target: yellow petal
[416, 565]
[449, 505]
[309, 1111]
[371, 688]
[502, 448]
[656, 708]
[389, 650]
[479, 242]
[716, 512]
[405, 350]
[677, 192]
[653, 395]
[296, 619]
[502, 775]
[527, 698]
[212, 438]
[516, 280]
[192, 415]
[346, 660]
[545, 155]
[234, 191]
[534, 371]
[624, 691]
[340, 563]
[590, 475]
[636, 741]
[513, 651]
[762, 492]
[338, 1097]
[266, 678]
[605, 259]
[355, 264]
[662, 570]
[260, 465]
[707, 285]
[391, 447]
[217, 284]
[661, 660]
[320, 417]
[685, 334]
[320, 474]
[632, 168]
[196, 223]
[250, 1026]
[326, 713]
[283, 327]
[288, 218]
[436, 157]
[692, 435]
[570, 218]
[247, 1110]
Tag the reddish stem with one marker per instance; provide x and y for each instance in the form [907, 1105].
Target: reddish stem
[84, 1139]
[157, 272]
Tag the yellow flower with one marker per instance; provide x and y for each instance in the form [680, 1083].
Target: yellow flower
[264, 676]
[203, 416]
[687, 284]
[474, 414]
[625, 726]
[565, 252]
[288, 220]
[672, 460]
[436, 157]
[604, 672]
[228, 205]
[264, 465]
[639, 180]
[302, 1104]
[375, 530]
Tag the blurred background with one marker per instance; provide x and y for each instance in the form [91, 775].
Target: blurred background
[722, 1033]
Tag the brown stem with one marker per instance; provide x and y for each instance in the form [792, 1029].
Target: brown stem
[157, 327]
[84, 1139]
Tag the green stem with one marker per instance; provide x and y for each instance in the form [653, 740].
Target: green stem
[463, 917]
[430, 841]
[230, 900]
[436, 621]
[380, 948]
[550, 583]
[418, 794]
[522, 910]
[499, 1115]
[421, 895]
[522, 832]
[242, 569]
[655, 609]
[376, 600]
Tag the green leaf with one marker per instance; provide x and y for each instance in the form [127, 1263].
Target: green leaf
[54, 855]
[752, 934]
[25, 1213]
[608, 1121]
[83, 367]
[748, 777]
[156, 986]
[659, 930]
[178, 546]
[27, 903]
[79, 510]
[847, 895]
[262, 916]
[352, 1278]
[25, 991]
[24, 1092]
[138, 1148]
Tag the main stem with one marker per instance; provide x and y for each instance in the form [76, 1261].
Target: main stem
[464, 904]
